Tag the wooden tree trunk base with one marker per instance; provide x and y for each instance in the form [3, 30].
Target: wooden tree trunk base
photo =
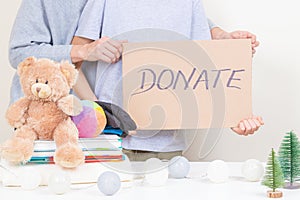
[276, 194]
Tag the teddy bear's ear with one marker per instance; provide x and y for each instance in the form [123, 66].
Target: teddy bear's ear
[25, 64]
[69, 72]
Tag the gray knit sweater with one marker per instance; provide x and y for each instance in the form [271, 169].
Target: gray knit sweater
[44, 29]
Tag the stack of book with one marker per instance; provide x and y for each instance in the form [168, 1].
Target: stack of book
[103, 153]
[103, 148]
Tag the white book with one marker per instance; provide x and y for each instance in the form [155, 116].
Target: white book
[83, 174]
[85, 144]
[86, 153]
[103, 137]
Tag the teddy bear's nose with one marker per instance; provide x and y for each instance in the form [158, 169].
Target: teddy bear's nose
[38, 89]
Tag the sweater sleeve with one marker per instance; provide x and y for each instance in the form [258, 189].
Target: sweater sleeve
[31, 36]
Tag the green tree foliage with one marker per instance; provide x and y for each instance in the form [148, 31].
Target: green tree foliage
[289, 157]
[273, 176]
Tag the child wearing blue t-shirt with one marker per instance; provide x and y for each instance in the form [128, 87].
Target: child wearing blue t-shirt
[139, 21]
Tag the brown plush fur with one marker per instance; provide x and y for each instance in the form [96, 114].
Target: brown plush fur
[44, 112]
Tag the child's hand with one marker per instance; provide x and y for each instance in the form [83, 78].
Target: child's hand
[248, 126]
[218, 33]
[104, 49]
[245, 35]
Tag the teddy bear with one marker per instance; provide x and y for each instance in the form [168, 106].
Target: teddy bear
[44, 113]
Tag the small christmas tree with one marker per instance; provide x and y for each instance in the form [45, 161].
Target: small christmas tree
[289, 157]
[274, 176]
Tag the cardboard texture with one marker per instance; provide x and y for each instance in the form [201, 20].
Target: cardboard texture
[187, 84]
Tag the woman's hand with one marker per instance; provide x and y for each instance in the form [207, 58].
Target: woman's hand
[248, 126]
[104, 49]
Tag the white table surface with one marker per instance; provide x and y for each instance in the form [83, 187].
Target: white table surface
[196, 186]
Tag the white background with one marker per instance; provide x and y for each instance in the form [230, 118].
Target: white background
[276, 67]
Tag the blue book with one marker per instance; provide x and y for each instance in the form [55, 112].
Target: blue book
[113, 131]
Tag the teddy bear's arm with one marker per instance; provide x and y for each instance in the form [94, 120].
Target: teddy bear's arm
[70, 105]
[15, 114]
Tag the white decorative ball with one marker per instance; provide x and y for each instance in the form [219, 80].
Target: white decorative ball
[109, 183]
[124, 169]
[153, 164]
[179, 167]
[59, 182]
[218, 171]
[29, 178]
[252, 170]
[156, 172]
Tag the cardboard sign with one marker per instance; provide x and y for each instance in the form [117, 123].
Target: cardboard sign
[187, 84]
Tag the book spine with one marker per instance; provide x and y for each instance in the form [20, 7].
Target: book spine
[88, 159]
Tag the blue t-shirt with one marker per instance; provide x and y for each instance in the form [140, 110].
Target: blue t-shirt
[139, 21]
